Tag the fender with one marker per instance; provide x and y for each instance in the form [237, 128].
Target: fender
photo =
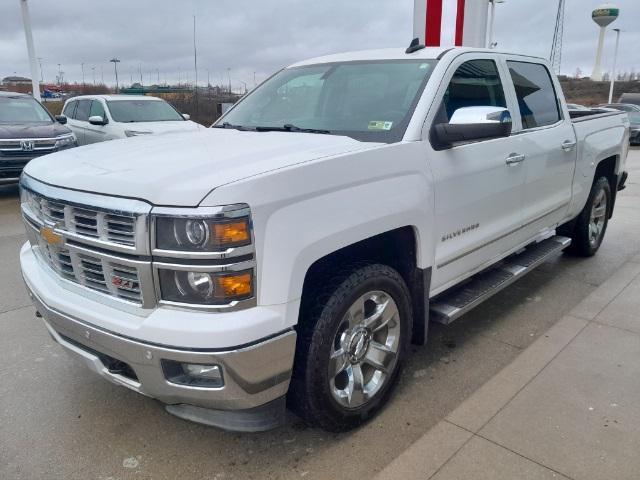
[305, 212]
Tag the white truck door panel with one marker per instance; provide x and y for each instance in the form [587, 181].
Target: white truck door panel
[548, 142]
[478, 191]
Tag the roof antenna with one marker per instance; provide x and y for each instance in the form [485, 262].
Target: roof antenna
[414, 46]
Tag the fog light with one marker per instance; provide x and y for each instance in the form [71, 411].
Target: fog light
[202, 371]
[193, 374]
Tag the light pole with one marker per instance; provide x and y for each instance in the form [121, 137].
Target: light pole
[93, 73]
[41, 71]
[615, 60]
[59, 74]
[82, 68]
[31, 50]
[229, 77]
[492, 15]
[115, 62]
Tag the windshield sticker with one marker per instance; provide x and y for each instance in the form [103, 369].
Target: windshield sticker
[378, 125]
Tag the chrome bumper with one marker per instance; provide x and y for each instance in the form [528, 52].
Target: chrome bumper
[256, 377]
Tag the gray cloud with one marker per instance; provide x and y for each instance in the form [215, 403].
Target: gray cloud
[264, 35]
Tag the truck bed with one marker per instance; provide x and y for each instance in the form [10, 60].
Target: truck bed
[583, 115]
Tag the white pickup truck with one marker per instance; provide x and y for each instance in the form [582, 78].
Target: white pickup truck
[290, 254]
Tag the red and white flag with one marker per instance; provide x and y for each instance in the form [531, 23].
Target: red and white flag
[450, 22]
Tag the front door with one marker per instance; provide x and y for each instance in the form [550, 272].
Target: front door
[478, 193]
[95, 133]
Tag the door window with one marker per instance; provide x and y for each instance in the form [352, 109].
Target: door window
[97, 109]
[69, 109]
[475, 83]
[537, 98]
[82, 112]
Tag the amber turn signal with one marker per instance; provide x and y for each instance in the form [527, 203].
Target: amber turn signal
[231, 233]
[234, 286]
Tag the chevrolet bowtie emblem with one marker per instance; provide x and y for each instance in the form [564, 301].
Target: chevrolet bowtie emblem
[50, 236]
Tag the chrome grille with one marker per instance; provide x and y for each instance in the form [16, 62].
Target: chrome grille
[94, 272]
[13, 147]
[116, 228]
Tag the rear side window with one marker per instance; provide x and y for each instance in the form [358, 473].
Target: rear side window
[475, 83]
[69, 109]
[537, 98]
[82, 112]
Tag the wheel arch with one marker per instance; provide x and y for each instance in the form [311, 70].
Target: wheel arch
[397, 248]
[608, 168]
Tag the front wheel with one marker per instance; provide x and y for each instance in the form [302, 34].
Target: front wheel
[351, 348]
[592, 222]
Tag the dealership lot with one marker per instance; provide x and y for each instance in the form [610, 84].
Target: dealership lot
[58, 420]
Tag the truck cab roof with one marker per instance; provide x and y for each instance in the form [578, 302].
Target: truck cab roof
[427, 53]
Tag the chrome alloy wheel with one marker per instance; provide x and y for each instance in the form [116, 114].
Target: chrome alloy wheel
[597, 219]
[365, 349]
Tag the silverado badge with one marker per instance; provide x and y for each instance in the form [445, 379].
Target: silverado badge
[50, 236]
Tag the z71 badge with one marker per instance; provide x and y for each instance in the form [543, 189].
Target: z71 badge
[462, 231]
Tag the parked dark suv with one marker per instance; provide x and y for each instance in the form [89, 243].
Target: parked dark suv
[27, 130]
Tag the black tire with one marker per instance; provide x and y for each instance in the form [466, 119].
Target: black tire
[582, 240]
[312, 393]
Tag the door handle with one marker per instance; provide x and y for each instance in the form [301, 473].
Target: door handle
[515, 159]
[568, 145]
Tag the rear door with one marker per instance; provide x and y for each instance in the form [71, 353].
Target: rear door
[545, 136]
[70, 112]
[478, 194]
[81, 120]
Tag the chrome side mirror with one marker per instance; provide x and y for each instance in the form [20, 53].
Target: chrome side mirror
[97, 120]
[186, 116]
[469, 124]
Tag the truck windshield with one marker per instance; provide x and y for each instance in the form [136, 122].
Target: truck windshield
[22, 110]
[369, 100]
[131, 111]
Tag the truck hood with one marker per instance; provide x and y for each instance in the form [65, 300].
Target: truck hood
[32, 130]
[182, 168]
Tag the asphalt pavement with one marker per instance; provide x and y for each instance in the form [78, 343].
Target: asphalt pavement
[59, 421]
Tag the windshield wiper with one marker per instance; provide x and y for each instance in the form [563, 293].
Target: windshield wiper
[229, 125]
[288, 127]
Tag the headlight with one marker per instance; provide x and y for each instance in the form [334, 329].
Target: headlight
[204, 257]
[135, 133]
[202, 234]
[66, 141]
[205, 288]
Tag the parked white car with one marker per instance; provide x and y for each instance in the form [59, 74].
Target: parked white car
[97, 118]
[296, 249]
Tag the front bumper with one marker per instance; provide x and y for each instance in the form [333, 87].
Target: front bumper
[11, 168]
[256, 377]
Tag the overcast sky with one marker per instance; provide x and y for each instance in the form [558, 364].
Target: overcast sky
[264, 35]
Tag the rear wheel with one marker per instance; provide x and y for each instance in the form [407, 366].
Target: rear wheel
[591, 224]
[351, 348]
